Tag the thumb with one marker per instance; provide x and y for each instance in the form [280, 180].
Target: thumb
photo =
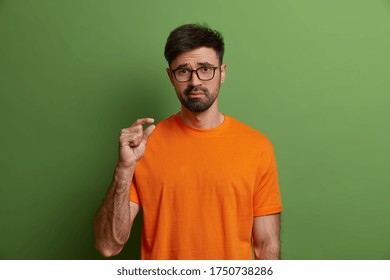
[147, 132]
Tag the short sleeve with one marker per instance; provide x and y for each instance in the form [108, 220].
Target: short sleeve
[267, 198]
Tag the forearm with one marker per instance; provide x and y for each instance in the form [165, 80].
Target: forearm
[268, 250]
[266, 237]
[113, 221]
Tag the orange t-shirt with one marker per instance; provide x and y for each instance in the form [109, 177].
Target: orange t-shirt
[200, 190]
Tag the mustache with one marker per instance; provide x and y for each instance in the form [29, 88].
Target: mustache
[190, 89]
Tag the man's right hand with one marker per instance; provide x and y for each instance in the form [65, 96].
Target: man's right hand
[132, 142]
[115, 217]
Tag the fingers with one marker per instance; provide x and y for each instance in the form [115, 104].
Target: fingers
[144, 121]
[135, 134]
[129, 137]
[147, 132]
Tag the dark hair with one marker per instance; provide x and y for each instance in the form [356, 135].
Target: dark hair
[192, 36]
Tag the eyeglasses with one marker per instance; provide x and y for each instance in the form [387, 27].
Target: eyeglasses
[204, 73]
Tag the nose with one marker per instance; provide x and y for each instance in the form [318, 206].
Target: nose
[194, 81]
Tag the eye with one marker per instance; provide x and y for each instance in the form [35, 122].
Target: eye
[182, 71]
[205, 69]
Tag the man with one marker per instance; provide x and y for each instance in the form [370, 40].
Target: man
[206, 182]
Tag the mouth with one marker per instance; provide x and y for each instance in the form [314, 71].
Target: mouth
[196, 93]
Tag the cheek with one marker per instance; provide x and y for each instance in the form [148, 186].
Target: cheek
[179, 88]
[214, 88]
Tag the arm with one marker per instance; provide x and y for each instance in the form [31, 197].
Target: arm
[266, 237]
[115, 217]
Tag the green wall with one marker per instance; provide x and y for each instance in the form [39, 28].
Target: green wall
[314, 76]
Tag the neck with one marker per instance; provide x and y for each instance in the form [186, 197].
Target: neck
[208, 119]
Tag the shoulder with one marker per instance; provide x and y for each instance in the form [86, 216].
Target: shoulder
[255, 142]
[249, 133]
[165, 129]
[166, 124]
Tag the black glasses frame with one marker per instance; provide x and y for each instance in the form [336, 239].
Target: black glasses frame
[196, 71]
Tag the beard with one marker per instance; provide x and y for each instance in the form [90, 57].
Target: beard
[198, 105]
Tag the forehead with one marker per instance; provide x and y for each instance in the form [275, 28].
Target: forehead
[197, 56]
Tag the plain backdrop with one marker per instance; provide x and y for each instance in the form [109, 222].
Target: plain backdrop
[314, 76]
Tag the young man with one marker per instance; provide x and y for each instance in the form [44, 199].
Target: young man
[206, 182]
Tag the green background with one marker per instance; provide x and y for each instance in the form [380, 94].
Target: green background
[314, 76]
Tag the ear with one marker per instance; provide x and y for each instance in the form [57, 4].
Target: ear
[223, 73]
[170, 75]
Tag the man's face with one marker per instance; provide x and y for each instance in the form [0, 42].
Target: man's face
[197, 95]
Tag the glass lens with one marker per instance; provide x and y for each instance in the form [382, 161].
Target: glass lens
[205, 73]
[183, 74]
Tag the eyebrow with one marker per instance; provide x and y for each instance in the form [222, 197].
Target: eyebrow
[199, 64]
[205, 64]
